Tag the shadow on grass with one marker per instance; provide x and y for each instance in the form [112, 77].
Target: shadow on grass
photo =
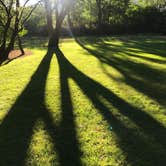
[150, 81]
[10, 60]
[139, 149]
[16, 130]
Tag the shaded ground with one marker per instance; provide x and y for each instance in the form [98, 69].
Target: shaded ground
[99, 102]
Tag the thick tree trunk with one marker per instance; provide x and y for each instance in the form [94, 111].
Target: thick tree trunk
[54, 33]
[4, 55]
[4, 38]
[3, 46]
[5, 52]
[54, 38]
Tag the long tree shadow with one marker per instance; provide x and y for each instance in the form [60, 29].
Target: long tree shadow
[129, 47]
[140, 150]
[138, 75]
[150, 46]
[70, 150]
[16, 129]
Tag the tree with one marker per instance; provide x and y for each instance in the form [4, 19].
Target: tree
[158, 3]
[12, 23]
[36, 24]
[60, 8]
[99, 7]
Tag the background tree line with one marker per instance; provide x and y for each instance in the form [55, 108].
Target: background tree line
[81, 17]
[106, 17]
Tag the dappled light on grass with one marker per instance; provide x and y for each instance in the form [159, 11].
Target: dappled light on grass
[14, 77]
[26, 111]
[146, 75]
[41, 148]
[16, 130]
[91, 104]
[93, 90]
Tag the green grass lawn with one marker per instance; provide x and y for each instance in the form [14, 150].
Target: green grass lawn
[100, 101]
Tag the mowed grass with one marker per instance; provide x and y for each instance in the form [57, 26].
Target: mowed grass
[100, 101]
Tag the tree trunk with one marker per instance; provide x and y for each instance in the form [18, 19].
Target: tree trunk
[6, 50]
[4, 55]
[60, 15]
[20, 45]
[4, 38]
[54, 38]
[99, 21]
[10, 47]
[49, 16]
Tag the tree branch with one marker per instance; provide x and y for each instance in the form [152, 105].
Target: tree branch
[35, 6]
[23, 8]
[5, 7]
